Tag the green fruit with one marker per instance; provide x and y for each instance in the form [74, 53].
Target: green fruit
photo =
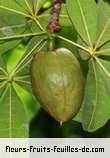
[58, 83]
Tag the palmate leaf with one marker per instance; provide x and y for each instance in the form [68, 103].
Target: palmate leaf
[14, 58]
[83, 14]
[16, 29]
[13, 118]
[17, 104]
[17, 108]
[96, 105]
[18, 26]
[21, 23]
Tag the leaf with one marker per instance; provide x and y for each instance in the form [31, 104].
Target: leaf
[17, 6]
[22, 7]
[104, 52]
[6, 31]
[78, 117]
[20, 21]
[32, 27]
[13, 116]
[8, 45]
[83, 14]
[15, 26]
[36, 4]
[67, 31]
[12, 57]
[83, 54]
[34, 45]
[16, 98]
[96, 104]
[28, 100]
[103, 34]
[3, 74]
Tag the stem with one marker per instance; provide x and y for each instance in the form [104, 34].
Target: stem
[54, 25]
[51, 42]
[73, 43]
[24, 35]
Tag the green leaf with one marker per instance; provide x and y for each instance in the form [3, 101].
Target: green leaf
[36, 4]
[8, 45]
[20, 15]
[103, 34]
[67, 31]
[83, 14]
[3, 74]
[13, 116]
[78, 117]
[34, 44]
[104, 52]
[13, 57]
[16, 100]
[28, 100]
[15, 26]
[17, 6]
[96, 105]
[22, 7]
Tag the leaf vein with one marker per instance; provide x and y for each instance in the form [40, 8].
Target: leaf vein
[85, 23]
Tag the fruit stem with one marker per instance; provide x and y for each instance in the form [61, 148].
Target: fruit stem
[51, 42]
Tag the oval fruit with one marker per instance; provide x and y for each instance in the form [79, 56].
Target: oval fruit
[58, 83]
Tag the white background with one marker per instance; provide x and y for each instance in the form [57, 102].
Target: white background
[74, 142]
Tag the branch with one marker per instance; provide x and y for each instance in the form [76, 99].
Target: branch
[54, 25]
